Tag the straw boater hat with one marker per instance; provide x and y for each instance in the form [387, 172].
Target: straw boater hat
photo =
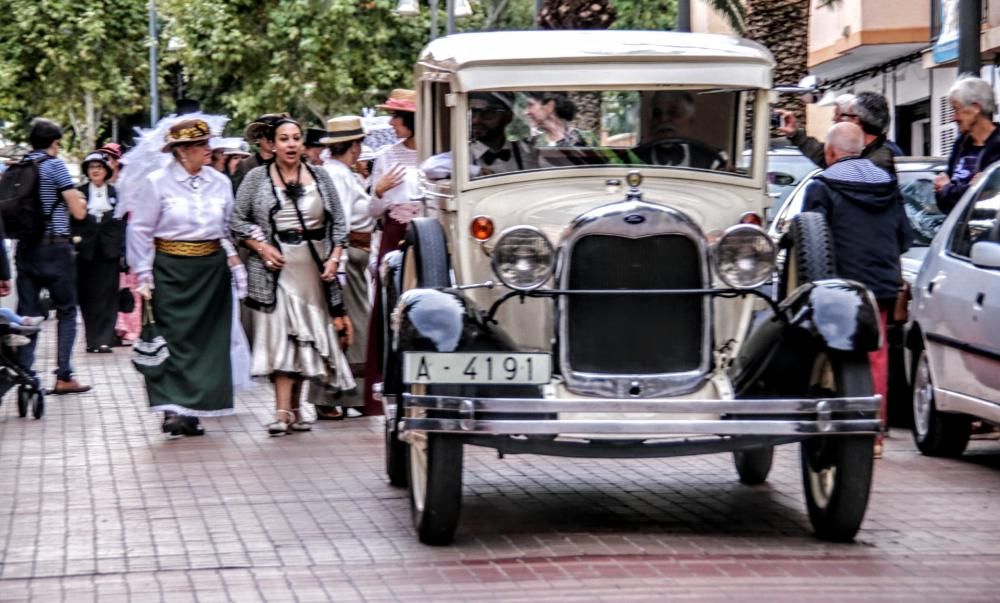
[401, 99]
[186, 131]
[259, 127]
[343, 129]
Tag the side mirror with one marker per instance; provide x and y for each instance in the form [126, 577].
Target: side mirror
[986, 254]
[780, 179]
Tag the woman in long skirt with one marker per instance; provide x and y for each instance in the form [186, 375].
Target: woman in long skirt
[98, 255]
[289, 216]
[179, 250]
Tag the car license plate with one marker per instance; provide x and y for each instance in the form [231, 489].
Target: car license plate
[479, 368]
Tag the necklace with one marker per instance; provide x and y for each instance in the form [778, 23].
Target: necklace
[293, 190]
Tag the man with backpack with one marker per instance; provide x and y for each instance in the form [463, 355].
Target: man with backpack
[44, 257]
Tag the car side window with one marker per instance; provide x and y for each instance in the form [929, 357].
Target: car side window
[979, 220]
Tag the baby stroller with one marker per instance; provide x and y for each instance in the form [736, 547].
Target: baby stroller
[29, 389]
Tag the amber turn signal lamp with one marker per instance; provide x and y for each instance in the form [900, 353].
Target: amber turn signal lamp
[751, 218]
[481, 228]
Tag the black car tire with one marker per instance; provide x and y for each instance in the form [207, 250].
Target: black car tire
[809, 253]
[753, 465]
[935, 433]
[425, 264]
[837, 470]
[436, 486]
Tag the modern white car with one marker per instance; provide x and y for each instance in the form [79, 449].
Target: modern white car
[955, 333]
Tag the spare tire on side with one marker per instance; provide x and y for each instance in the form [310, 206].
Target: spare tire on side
[809, 255]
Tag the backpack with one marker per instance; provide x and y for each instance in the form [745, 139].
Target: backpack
[20, 203]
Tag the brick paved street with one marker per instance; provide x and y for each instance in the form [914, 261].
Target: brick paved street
[96, 505]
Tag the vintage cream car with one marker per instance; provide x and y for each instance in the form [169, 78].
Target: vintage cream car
[589, 290]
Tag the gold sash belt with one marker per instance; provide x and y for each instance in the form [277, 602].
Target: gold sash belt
[191, 249]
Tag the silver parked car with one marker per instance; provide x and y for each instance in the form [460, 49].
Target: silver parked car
[955, 334]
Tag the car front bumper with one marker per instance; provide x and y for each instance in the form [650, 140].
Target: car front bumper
[744, 417]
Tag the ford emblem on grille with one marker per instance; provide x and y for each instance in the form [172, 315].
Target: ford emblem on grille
[635, 219]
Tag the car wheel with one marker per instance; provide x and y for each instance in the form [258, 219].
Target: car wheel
[424, 264]
[809, 255]
[753, 465]
[435, 486]
[935, 433]
[837, 470]
[396, 451]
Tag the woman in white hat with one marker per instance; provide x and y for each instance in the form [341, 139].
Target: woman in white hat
[178, 245]
[101, 240]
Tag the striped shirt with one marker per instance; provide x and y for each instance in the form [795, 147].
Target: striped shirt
[53, 179]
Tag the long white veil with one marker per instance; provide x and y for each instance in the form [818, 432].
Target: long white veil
[147, 156]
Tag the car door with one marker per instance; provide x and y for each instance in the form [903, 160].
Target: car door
[961, 326]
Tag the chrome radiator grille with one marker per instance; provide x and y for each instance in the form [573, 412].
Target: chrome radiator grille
[635, 334]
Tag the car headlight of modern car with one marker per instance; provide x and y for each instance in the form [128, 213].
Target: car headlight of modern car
[523, 258]
[744, 256]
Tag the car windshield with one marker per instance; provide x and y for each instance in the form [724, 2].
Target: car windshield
[532, 130]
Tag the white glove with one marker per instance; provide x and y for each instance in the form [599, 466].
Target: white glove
[239, 273]
[145, 285]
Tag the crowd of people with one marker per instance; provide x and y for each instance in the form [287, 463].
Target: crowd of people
[858, 195]
[249, 265]
[259, 265]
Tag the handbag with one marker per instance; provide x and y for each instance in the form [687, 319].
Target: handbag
[126, 301]
[150, 351]
[327, 285]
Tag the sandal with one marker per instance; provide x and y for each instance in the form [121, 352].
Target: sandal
[299, 424]
[328, 413]
[280, 428]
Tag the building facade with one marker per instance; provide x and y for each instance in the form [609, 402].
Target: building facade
[898, 48]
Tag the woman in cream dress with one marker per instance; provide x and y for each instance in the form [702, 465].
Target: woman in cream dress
[288, 215]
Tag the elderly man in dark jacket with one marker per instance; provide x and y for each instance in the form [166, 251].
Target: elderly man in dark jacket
[867, 110]
[864, 210]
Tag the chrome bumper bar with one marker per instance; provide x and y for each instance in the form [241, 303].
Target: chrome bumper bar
[770, 417]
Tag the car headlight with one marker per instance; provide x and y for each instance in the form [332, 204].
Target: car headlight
[744, 256]
[523, 258]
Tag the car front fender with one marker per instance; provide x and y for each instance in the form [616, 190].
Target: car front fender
[444, 321]
[830, 315]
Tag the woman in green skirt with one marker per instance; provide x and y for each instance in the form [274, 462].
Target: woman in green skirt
[177, 244]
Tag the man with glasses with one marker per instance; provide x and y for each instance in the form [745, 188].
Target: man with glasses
[869, 111]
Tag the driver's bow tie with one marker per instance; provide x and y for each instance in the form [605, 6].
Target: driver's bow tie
[490, 156]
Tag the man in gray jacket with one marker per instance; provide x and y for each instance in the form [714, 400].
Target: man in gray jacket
[867, 110]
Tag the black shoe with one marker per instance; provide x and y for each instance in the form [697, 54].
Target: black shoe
[192, 426]
[173, 425]
[104, 349]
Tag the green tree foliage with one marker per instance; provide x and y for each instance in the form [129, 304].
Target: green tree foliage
[645, 14]
[79, 63]
[312, 58]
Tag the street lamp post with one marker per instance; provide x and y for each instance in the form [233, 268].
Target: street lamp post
[453, 8]
[154, 94]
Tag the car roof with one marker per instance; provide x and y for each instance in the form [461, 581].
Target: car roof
[636, 56]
